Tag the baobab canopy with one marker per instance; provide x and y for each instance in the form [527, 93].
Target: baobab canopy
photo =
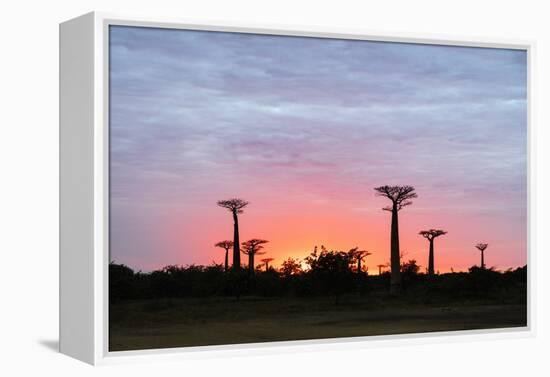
[432, 233]
[399, 195]
[233, 204]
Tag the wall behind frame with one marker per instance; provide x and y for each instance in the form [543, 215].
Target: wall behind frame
[76, 188]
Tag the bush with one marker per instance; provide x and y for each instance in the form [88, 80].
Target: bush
[329, 273]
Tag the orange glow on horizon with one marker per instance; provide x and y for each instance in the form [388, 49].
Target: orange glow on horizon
[295, 237]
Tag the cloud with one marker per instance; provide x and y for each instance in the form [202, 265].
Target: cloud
[196, 115]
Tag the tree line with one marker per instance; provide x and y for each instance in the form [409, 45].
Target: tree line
[399, 196]
[324, 273]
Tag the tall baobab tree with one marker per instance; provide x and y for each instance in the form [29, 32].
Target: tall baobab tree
[359, 255]
[251, 248]
[235, 206]
[225, 245]
[481, 247]
[266, 262]
[400, 197]
[431, 235]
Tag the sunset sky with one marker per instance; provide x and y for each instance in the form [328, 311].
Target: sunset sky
[304, 129]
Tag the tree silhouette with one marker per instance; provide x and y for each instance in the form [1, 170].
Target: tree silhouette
[266, 262]
[290, 267]
[331, 270]
[410, 267]
[400, 197]
[358, 256]
[430, 235]
[225, 245]
[481, 247]
[380, 267]
[235, 206]
[251, 248]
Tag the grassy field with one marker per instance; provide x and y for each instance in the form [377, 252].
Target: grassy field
[164, 323]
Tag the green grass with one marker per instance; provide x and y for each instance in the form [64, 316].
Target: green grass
[164, 323]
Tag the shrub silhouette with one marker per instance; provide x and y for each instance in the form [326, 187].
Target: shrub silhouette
[409, 272]
[331, 271]
[269, 283]
[121, 281]
[290, 267]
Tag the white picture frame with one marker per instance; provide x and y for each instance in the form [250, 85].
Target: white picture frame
[84, 254]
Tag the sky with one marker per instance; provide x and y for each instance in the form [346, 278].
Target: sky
[304, 129]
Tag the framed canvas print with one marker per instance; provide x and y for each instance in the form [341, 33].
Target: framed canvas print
[227, 188]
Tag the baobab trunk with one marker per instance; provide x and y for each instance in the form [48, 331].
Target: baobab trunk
[395, 284]
[226, 259]
[431, 258]
[482, 260]
[251, 263]
[236, 243]
[359, 265]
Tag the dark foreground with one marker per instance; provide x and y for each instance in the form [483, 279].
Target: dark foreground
[164, 323]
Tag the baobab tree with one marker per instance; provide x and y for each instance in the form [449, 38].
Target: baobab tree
[431, 235]
[235, 206]
[225, 245]
[400, 197]
[380, 267]
[266, 262]
[481, 247]
[359, 255]
[251, 248]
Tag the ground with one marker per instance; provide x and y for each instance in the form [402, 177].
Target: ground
[164, 323]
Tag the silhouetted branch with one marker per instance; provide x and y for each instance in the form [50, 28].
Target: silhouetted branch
[432, 233]
[482, 246]
[233, 205]
[225, 244]
[399, 195]
[253, 246]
